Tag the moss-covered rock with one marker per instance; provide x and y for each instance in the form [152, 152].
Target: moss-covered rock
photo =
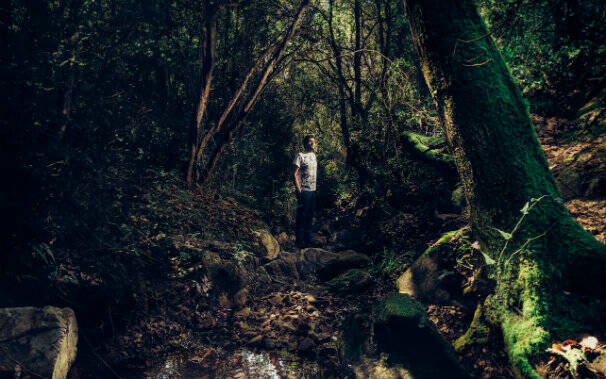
[340, 262]
[355, 334]
[350, 281]
[432, 278]
[225, 278]
[285, 267]
[403, 331]
[270, 244]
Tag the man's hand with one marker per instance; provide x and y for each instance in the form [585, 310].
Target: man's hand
[297, 181]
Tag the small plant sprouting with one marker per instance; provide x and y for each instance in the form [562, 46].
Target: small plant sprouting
[499, 261]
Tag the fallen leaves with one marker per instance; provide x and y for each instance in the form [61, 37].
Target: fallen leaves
[575, 353]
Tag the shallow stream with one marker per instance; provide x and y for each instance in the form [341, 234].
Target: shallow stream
[240, 364]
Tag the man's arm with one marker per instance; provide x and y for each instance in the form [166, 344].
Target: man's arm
[297, 179]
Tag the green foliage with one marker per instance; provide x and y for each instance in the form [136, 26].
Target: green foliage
[548, 47]
[393, 262]
[574, 356]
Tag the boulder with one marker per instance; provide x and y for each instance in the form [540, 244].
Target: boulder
[282, 238]
[272, 247]
[226, 278]
[355, 334]
[403, 331]
[350, 281]
[314, 261]
[285, 266]
[209, 258]
[40, 342]
[311, 259]
[225, 249]
[338, 263]
[599, 364]
[431, 278]
[318, 240]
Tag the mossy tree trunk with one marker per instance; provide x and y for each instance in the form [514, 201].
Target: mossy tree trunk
[548, 289]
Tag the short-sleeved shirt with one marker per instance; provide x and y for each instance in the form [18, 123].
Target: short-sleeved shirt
[308, 167]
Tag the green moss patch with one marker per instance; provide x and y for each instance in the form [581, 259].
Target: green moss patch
[403, 331]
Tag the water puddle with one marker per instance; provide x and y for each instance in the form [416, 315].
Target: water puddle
[241, 364]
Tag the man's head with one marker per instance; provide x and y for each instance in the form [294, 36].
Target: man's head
[309, 143]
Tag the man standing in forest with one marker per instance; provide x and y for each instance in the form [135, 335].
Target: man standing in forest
[304, 172]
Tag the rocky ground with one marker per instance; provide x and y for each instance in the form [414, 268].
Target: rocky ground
[220, 294]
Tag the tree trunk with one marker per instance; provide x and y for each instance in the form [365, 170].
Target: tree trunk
[251, 100]
[549, 263]
[210, 134]
[208, 66]
[357, 56]
[353, 159]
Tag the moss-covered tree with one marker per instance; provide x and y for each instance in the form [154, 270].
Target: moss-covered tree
[549, 271]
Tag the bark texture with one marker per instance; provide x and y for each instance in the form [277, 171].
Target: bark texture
[502, 167]
[206, 78]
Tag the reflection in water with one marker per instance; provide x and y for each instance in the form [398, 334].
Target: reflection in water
[258, 366]
[166, 372]
[242, 364]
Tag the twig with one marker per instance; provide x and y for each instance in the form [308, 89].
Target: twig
[517, 226]
[454, 50]
[478, 64]
[524, 245]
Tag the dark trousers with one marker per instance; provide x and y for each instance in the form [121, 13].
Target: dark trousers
[305, 215]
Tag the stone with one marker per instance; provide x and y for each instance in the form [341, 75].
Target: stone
[306, 345]
[286, 325]
[599, 364]
[378, 369]
[209, 258]
[282, 238]
[269, 343]
[328, 350]
[311, 259]
[255, 340]
[276, 300]
[272, 247]
[403, 330]
[243, 313]
[341, 262]
[284, 267]
[351, 281]
[431, 278]
[317, 240]
[226, 278]
[42, 340]
[240, 298]
[224, 302]
[355, 334]
[224, 248]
